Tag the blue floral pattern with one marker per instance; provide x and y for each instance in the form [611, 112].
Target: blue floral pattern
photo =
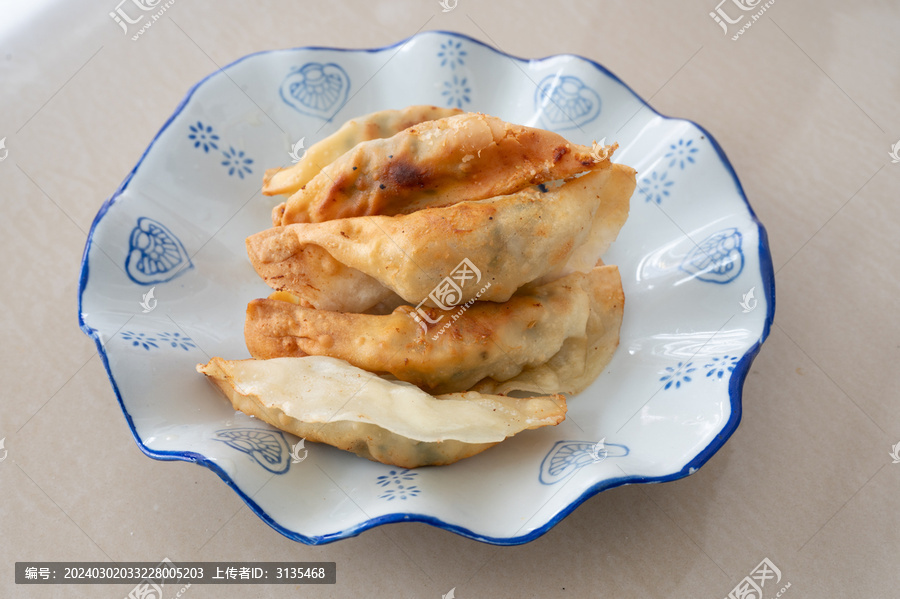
[718, 258]
[457, 92]
[681, 153]
[676, 376]
[203, 136]
[655, 187]
[718, 367]
[147, 341]
[452, 54]
[396, 485]
[268, 448]
[236, 162]
[155, 255]
[140, 339]
[176, 339]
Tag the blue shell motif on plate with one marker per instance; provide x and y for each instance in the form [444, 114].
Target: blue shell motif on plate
[567, 457]
[268, 448]
[316, 89]
[717, 259]
[155, 255]
[565, 102]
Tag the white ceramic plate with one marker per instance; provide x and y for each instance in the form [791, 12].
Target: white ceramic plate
[165, 282]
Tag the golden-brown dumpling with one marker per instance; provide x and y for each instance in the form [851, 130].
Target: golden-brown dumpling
[437, 163]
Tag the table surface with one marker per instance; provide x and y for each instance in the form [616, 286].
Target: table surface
[804, 104]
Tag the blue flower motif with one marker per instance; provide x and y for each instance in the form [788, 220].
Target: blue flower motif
[452, 54]
[719, 366]
[656, 187]
[457, 92]
[395, 485]
[680, 153]
[203, 136]
[395, 477]
[400, 492]
[677, 375]
[177, 340]
[236, 162]
[140, 340]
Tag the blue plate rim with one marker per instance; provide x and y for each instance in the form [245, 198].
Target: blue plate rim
[735, 385]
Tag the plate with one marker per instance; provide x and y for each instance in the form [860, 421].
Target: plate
[165, 281]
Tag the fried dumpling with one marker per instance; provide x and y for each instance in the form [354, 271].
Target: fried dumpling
[580, 360]
[376, 125]
[437, 163]
[507, 241]
[329, 401]
[444, 351]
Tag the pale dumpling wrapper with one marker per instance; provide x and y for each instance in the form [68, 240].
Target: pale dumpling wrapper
[330, 401]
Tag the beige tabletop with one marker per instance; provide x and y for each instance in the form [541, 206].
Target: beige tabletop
[804, 102]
